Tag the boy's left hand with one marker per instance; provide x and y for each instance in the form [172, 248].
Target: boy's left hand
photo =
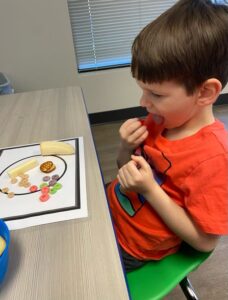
[136, 176]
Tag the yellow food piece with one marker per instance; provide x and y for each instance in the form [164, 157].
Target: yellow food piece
[22, 168]
[2, 245]
[55, 148]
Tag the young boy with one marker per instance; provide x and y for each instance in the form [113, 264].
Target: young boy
[172, 184]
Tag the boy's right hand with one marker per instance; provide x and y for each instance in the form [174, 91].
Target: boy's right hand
[132, 134]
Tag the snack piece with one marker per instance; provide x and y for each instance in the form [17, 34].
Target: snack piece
[13, 180]
[52, 182]
[2, 245]
[33, 188]
[45, 190]
[44, 197]
[22, 168]
[55, 148]
[10, 195]
[47, 167]
[46, 178]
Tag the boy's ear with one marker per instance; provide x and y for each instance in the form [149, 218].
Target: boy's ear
[209, 91]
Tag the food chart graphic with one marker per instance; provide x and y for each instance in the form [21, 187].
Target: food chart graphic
[38, 188]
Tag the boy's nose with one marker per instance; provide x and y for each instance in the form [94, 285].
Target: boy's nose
[143, 101]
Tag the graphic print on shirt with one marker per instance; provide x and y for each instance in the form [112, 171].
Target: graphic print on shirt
[132, 204]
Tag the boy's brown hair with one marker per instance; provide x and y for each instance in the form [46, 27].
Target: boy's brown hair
[188, 43]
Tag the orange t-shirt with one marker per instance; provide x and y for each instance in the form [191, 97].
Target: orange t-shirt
[193, 171]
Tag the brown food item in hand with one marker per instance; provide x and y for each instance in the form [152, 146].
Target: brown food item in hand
[47, 167]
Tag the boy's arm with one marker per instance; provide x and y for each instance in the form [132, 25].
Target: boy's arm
[178, 220]
[132, 134]
[136, 176]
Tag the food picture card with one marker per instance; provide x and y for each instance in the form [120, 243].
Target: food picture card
[42, 183]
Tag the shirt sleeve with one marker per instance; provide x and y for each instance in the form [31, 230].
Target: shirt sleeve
[207, 195]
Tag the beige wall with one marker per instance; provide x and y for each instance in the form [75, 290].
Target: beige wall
[36, 45]
[36, 52]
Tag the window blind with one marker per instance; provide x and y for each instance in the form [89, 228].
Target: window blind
[103, 30]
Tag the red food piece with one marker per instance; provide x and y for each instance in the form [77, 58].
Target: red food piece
[45, 190]
[33, 188]
[44, 197]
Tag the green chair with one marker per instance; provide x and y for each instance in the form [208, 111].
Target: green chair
[157, 278]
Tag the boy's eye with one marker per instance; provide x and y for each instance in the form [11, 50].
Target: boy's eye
[155, 95]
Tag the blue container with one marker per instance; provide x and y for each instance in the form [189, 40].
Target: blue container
[5, 86]
[4, 232]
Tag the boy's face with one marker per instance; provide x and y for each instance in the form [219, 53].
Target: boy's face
[169, 103]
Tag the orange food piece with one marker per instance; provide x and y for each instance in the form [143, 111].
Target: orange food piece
[47, 167]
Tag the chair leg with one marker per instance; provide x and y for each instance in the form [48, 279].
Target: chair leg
[187, 289]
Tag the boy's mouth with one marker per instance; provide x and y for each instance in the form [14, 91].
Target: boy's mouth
[158, 119]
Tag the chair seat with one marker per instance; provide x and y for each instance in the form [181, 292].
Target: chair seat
[157, 278]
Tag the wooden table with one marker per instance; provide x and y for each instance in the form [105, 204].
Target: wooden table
[76, 259]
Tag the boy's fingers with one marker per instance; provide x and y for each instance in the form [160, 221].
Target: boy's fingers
[140, 161]
[134, 127]
[123, 190]
[142, 137]
[131, 125]
[129, 122]
[120, 180]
